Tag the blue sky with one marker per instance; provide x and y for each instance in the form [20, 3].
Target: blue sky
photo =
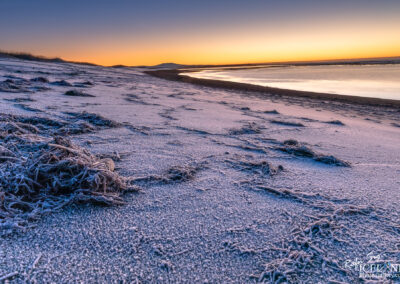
[65, 28]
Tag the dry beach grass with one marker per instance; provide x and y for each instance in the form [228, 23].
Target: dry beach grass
[42, 172]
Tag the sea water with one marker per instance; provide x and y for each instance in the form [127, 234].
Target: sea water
[375, 80]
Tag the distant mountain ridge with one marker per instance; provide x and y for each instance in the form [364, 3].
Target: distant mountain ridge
[169, 65]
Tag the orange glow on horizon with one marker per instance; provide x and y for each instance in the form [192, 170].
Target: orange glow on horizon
[204, 57]
[254, 43]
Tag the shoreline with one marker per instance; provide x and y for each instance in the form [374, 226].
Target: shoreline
[175, 75]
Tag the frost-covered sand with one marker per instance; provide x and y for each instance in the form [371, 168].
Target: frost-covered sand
[236, 187]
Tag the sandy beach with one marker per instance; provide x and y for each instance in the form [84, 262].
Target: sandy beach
[236, 183]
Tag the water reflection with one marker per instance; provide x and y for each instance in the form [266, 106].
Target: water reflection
[378, 81]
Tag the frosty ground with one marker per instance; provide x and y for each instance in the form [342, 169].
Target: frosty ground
[236, 186]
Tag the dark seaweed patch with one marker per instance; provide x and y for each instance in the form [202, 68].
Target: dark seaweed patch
[76, 93]
[287, 123]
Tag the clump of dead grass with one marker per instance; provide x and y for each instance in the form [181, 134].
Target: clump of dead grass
[40, 173]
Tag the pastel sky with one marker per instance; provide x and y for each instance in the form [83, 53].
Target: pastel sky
[147, 32]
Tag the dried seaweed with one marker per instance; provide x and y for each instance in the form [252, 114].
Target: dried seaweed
[76, 93]
[249, 128]
[40, 80]
[254, 167]
[291, 142]
[174, 174]
[295, 148]
[139, 129]
[84, 84]
[41, 173]
[335, 122]
[132, 98]
[14, 85]
[94, 119]
[61, 83]
[27, 108]
[274, 111]
[20, 100]
[78, 123]
[287, 123]
[41, 122]
[77, 127]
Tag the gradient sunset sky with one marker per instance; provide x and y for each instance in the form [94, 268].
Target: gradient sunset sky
[200, 32]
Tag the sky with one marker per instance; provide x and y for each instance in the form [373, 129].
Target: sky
[147, 32]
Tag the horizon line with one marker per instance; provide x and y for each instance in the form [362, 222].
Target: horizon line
[32, 57]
